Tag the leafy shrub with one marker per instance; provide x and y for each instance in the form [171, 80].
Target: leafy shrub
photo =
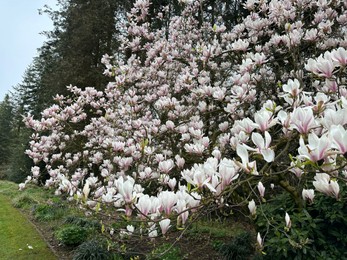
[317, 232]
[92, 250]
[83, 222]
[46, 212]
[72, 235]
[239, 247]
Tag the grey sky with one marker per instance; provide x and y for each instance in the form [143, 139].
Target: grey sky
[20, 25]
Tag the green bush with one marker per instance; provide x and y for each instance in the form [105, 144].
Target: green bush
[72, 235]
[92, 250]
[83, 222]
[239, 248]
[46, 212]
[317, 232]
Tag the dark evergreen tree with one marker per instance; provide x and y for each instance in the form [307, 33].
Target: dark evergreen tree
[18, 165]
[6, 133]
[84, 31]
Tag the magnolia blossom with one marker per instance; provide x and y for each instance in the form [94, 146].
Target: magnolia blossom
[308, 195]
[246, 124]
[227, 171]
[35, 171]
[259, 240]
[261, 189]
[144, 205]
[108, 197]
[339, 55]
[181, 209]
[302, 119]
[172, 183]
[126, 188]
[316, 149]
[166, 166]
[252, 207]
[249, 167]
[322, 66]
[152, 230]
[296, 170]
[202, 175]
[288, 221]
[263, 146]
[164, 225]
[264, 120]
[324, 184]
[21, 186]
[339, 136]
[86, 189]
[240, 45]
[130, 229]
[292, 88]
[334, 117]
[168, 199]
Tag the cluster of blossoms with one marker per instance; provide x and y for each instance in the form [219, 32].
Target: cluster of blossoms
[197, 111]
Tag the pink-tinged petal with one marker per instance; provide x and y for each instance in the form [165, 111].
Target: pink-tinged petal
[261, 189]
[339, 136]
[302, 120]
[258, 140]
[164, 225]
[323, 146]
[326, 68]
[308, 195]
[313, 141]
[252, 207]
[243, 153]
[340, 55]
[334, 188]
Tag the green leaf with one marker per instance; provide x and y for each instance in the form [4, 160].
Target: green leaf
[214, 27]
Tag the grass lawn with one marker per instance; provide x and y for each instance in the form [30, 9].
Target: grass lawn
[18, 237]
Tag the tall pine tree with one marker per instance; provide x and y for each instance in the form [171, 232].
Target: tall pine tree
[6, 133]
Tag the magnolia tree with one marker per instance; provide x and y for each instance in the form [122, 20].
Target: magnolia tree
[199, 117]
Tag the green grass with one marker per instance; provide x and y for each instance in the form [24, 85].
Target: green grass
[165, 252]
[16, 234]
[217, 229]
[8, 188]
[30, 196]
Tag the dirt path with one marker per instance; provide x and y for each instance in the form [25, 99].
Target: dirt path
[19, 240]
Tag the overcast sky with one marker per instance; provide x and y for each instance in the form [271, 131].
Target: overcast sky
[20, 25]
